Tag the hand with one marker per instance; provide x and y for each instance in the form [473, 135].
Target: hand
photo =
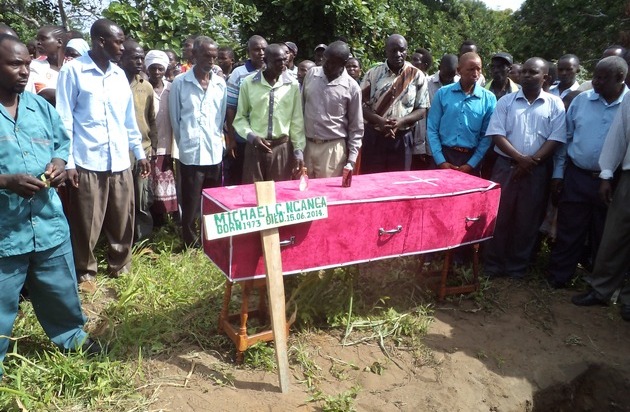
[24, 185]
[556, 189]
[56, 172]
[299, 166]
[73, 177]
[525, 165]
[466, 168]
[230, 147]
[447, 165]
[145, 168]
[262, 145]
[606, 192]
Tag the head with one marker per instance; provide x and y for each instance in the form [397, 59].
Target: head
[609, 76]
[396, 51]
[552, 77]
[107, 40]
[335, 58]
[469, 68]
[568, 98]
[515, 73]
[256, 46]
[32, 48]
[353, 67]
[448, 68]
[292, 51]
[156, 62]
[275, 59]
[172, 59]
[422, 59]
[500, 66]
[14, 65]
[225, 59]
[5, 29]
[132, 60]
[76, 48]
[204, 52]
[626, 57]
[614, 50]
[303, 68]
[568, 68]
[534, 73]
[187, 49]
[318, 57]
[50, 40]
[468, 46]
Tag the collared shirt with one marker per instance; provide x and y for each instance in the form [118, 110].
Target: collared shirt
[528, 126]
[380, 79]
[97, 110]
[235, 80]
[333, 110]
[145, 112]
[512, 87]
[27, 145]
[434, 84]
[197, 117]
[588, 119]
[42, 76]
[556, 91]
[460, 120]
[269, 111]
[617, 144]
[165, 142]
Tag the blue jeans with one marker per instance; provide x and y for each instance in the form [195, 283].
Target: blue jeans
[52, 284]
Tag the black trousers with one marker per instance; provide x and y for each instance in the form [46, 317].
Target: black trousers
[384, 154]
[194, 180]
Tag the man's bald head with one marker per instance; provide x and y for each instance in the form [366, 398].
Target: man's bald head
[5, 29]
[338, 50]
[468, 56]
[395, 39]
[102, 28]
[615, 65]
[396, 51]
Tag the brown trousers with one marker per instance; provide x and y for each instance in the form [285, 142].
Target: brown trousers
[104, 201]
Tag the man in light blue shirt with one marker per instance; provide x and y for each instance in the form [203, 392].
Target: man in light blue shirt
[458, 119]
[576, 169]
[197, 105]
[95, 103]
[527, 127]
[35, 244]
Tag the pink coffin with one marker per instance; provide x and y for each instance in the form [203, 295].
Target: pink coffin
[436, 210]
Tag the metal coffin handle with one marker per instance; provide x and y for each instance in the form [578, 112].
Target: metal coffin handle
[382, 231]
[472, 219]
[289, 242]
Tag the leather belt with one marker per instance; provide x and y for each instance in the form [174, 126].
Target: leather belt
[277, 142]
[459, 149]
[592, 173]
[322, 141]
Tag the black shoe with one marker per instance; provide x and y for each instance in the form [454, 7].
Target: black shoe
[590, 298]
[625, 312]
[89, 348]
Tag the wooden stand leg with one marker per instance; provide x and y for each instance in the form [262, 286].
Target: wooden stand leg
[227, 296]
[441, 277]
[446, 267]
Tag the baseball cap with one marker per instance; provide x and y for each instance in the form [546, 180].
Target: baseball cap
[292, 46]
[505, 56]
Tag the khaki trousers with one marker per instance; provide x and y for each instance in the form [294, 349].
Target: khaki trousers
[104, 201]
[325, 159]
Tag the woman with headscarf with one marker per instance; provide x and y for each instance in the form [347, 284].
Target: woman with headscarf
[76, 48]
[163, 179]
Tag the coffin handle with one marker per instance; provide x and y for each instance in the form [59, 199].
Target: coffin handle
[289, 242]
[472, 219]
[382, 231]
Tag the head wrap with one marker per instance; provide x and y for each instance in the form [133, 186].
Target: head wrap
[79, 45]
[156, 57]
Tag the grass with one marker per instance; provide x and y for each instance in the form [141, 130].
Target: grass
[170, 302]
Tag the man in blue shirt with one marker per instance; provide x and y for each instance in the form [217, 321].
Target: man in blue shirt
[95, 103]
[458, 119]
[527, 127]
[197, 105]
[35, 244]
[576, 169]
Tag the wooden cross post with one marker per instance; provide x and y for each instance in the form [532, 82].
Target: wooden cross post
[270, 239]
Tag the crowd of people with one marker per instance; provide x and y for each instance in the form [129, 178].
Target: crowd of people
[110, 139]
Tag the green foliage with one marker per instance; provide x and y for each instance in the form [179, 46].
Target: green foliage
[27, 16]
[550, 29]
[260, 356]
[165, 24]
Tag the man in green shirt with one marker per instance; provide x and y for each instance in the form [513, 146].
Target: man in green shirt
[269, 114]
[35, 246]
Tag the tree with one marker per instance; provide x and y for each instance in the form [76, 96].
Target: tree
[550, 29]
[165, 24]
[27, 16]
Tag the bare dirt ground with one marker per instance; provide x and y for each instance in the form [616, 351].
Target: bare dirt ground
[520, 347]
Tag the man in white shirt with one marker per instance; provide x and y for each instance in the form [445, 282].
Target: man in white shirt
[568, 68]
[95, 103]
